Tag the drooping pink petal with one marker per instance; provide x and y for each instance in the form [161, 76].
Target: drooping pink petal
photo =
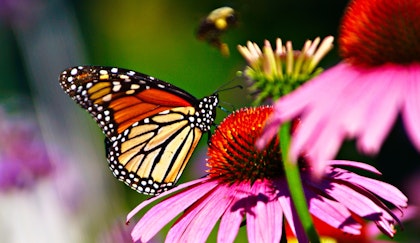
[386, 227]
[319, 136]
[357, 203]
[295, 103]
[326, 146]
[350, 111]
[384, 190]
[411, 106]
[380, 114]
[270, 131]
[318, 89]
[360, 99]
[197, 222]
[410, 213]
[358, 165]
[380, 212]
[332, 213]
[161, 214]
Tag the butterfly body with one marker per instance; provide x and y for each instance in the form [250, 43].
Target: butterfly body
[151, 126]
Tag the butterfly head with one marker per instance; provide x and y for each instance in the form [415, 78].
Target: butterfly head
[206, 112]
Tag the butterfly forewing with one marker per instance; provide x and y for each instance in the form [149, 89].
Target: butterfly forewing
[152, 127]
[116, 98]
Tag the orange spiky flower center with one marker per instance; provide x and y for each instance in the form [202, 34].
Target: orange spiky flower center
[376, 32]
[232, 153]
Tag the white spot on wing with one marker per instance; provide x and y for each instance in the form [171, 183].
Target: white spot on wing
[123, 76]
[116, 88]
[134, 86]
[107, 97]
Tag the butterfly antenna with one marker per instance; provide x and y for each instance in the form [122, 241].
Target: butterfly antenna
[224, 108]
[223, 87]
[226, 103]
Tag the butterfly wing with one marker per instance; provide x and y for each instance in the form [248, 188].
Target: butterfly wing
[151, 127]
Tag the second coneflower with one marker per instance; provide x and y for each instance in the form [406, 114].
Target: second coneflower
[274, 73]
[361, 97]
[245, 184]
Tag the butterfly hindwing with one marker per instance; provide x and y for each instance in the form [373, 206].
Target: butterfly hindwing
[151, 126]
[151, 154]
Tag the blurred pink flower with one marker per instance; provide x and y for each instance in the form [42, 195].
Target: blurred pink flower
[247, 183]
[361, 97]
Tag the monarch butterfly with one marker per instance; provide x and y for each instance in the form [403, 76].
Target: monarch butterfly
[151, 127]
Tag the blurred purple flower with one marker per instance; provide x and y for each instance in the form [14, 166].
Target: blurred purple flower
[247, 183]
[23, 155]
[118, 232]
[20, 12]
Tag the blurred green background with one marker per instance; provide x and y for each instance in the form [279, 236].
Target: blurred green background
[40, 38]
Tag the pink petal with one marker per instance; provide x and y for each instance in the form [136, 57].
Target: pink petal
[303, 98]
[197, 222]
[316, 90]
[150, 200]
[161, 214]
[411, 107]
[333, 213]
[252, 228]
[351, 109]
[360, 99]
[380, 116]
[384, 190]
[410, 213]
[357, 203]
[291, 217]
[232, 218]
[270, 215]
[358, 165]
[345, 116]
[320, 134]
[324, 147]
[264, 222]
[269, 132]
[386, 227]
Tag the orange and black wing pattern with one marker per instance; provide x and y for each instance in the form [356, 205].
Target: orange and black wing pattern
[151, 126]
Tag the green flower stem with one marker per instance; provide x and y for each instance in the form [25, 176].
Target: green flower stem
[295, 185]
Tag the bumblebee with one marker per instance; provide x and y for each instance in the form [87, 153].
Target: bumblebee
[214, 25]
